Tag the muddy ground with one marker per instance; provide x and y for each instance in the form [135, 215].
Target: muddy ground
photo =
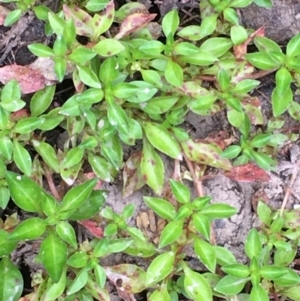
[230, 233]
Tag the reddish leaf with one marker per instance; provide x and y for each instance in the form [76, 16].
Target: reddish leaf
[132, 176]
[30, 80]
[247, 173]
[82, 20]
[241, 50]
[92, 227]
[3, 13]
[133, 23]
[16, 116]
[205, 153]
[91, 175]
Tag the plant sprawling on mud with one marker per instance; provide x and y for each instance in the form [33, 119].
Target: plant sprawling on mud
[136, 80]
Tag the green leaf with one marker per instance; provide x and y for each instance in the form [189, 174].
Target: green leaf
[92, 205]
[56, 289]
[160, 268]
[57, 24]
[161, 207]
[22, 158]
[290, 278]
[28, 125]
[283, 80]
[231, 152]
[11, 92]
[260, 140]
[108, 47]
[78, 260]
[231, 16]
[259, 294]
[118, 245]
[59, 47]
[271, 272]
[206, 254]
[6, 246]
[88, 77]
[192, 33]
[240, 3]
[100, 275]
[41, 50]
[12, 17]
[174, 74]
[293, 46]
[11, 281]
[82, 55]
[282, 95]
[47, 152]
[153, 48]
[60, 68]
[77, 196]
[224, 256]
[196, 286]
[159, 105]
[117, 117]
[265, 4]
[30, 229]
[253, 245]
[180, 191]
[237, 270]
[267, 45]
[152, 168]
[101, 248]
[238, 34]
[4, 119]
[101, 167]
[41, 100]
[262, 60]
[223, 79]
[4, 197]
[152, 77]
[264, 161]
[170, 23]
[67, 233]
[184, 212]
[79, 282]
[208, 25]
[202, 224]
[264, 213]
[96, 5]
[245, 86]
[170, 233]
[230, 285]
[186, 49]
[73, 157]
[53, 254]
[26, 194]
[216, 46]
[162, 140]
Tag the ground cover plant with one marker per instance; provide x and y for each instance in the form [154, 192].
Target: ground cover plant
[135, 80]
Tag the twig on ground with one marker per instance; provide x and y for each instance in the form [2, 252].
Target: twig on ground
[289, 188]
[51, 184]
[199, 188]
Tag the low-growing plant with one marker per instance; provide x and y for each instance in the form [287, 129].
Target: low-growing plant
[135, 80]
